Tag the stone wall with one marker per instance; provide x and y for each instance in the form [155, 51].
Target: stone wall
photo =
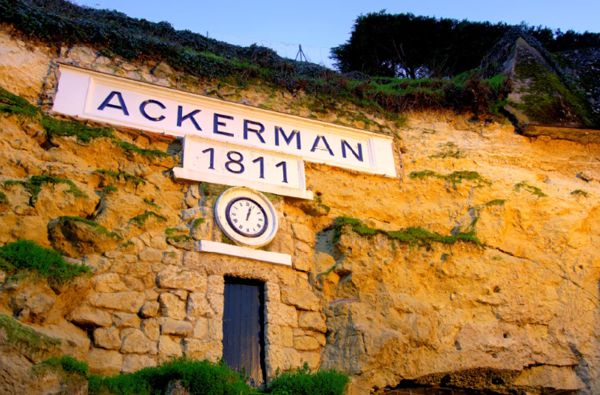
[517, 311]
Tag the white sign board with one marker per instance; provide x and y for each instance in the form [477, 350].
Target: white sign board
[92, 95]
[221, 163]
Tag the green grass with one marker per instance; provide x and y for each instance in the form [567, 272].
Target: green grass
[67, 363]
[121, 176]
[141, 219]
[34, 185]
[198, 377]
[26, 255]
[413, 236]
[456, 177]
[24, 338]
[529, 188]
[303, 382]
[94, 225]
[134, 149]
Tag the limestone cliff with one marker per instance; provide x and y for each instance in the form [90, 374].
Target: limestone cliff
[476, 268]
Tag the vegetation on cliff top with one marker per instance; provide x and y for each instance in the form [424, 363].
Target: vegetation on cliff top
[58, 23]
[26, 255]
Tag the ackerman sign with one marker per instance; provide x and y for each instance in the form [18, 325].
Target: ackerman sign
[224, 142]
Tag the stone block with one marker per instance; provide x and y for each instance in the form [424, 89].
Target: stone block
[216, 284]
[104, 362]
[312, 320]
[108, 338]
[150, 309]
[196, 349]
[168, 348]
[303, 299]
[282, 314]
[126, 320]
[108, 282]
[171, 306]
[135, 362]
[188, 280]
[86, 316]
[150, 255]
[123, 301]
[151, 328]
[201, 329]
[134, 341]
[197, 306]
[174, 327]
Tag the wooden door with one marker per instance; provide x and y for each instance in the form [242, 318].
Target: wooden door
[243, 328]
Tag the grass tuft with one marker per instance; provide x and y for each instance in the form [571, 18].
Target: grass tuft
[34, 184]
[27, 255]
[454, 178]
[413, 236]
[94, 225]
[121, 176]
[134, 149]
[83, 132]
[529, 188]
[141, 219]
[303, 382]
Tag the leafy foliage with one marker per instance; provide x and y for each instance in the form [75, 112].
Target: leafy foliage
[303, 382]
[198, 377]
[28, 255]
[412, 46]
[34, 184]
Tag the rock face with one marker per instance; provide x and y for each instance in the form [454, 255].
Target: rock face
[511, 307]
[558, 90]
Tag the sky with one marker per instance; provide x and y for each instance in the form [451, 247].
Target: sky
[319, 25]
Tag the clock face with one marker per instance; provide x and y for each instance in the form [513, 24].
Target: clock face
[246, 217]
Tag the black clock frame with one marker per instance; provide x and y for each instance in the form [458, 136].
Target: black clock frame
[241, 232]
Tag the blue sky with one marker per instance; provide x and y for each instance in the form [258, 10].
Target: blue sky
[320, 25]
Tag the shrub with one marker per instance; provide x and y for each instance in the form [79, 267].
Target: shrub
[68, 364]
[198, 377]
[28, 255]
[302, 382]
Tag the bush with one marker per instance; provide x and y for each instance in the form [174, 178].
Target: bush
[302, 382]
[198, 377]
[28, 255]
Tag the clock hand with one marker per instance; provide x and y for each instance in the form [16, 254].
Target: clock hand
[248, 215]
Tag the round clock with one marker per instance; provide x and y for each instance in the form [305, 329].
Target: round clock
[246, 216]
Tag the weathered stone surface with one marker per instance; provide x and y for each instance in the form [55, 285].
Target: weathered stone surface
[558, 377]
[197, 305]
[201, 328]
[151, 255]
[135, 362]
[134, 341]
[105, 362]
[312, 320]
[126, 320]
[301, 297]
[190, 281]
[168, 348]
[151, 328]
[108, 338]
[171, 306]
[86, 315]
[282, 314]
[108, 282]
[150, 309]
[123, 301]
[175, 327]
[75, 238]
